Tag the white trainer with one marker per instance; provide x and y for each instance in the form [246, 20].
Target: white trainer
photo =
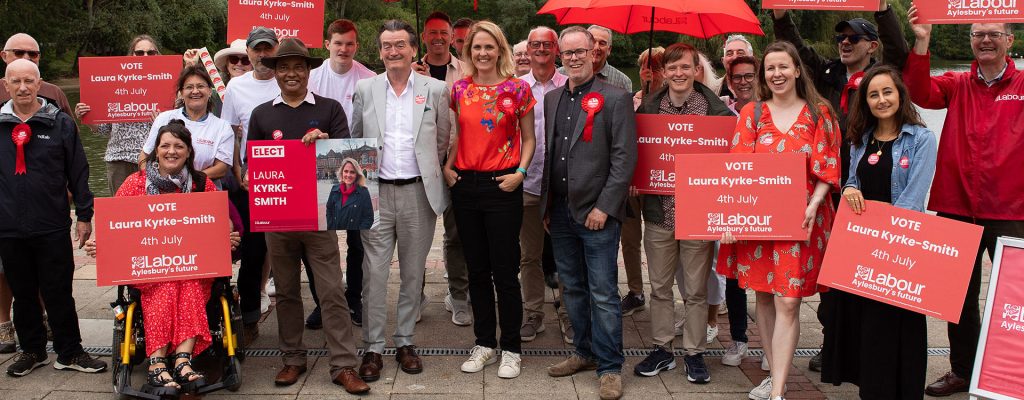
[734, 355]
[509, 367]
[479, 358]
[712, 333]
[764, 363]
[762, 391]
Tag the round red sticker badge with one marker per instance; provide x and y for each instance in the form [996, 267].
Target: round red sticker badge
[904, 162]
[873, 159]
[278, 134]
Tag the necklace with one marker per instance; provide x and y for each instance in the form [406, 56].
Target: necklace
[880, 145]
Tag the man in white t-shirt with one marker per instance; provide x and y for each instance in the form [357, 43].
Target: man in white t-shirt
[336, 79]
[243, 95]
[255, 87]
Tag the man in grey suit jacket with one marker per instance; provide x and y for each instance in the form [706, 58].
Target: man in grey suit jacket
[591, 154]
[408, 113]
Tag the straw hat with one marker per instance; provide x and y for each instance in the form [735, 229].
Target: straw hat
[237, 48]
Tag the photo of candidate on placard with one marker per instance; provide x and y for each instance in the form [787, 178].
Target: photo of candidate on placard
[346, 173]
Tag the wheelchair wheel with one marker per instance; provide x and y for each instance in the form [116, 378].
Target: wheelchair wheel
[237, 365]
[115, 353]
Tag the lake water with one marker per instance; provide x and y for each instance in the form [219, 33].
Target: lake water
[95, 145]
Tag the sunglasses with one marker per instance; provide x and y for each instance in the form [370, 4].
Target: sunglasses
[237, 59]
[21, 53]
[146, 52]
[855, 38]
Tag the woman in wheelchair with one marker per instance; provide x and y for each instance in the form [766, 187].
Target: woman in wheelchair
[174, 312]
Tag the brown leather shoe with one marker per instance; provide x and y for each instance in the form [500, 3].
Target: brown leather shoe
[947, 385]
[408, 360]
[350, 380]
[370, 369]
[289, 375]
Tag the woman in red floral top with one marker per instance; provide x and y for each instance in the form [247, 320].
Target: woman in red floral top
[175, 311]
[793, 117]
[485, 171]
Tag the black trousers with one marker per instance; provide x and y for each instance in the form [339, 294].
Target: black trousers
[736, 300]
[488, 220]
[43, 265]
[353, 273]
[254, 254]
[963, 337]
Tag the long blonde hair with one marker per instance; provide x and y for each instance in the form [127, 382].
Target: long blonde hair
[506, 67]
[361, 180]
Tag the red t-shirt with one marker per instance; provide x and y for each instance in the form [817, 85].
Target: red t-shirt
[489, 132]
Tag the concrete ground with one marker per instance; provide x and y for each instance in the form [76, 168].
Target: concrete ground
[442, 378]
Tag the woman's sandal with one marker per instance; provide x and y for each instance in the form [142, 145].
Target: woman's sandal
[186, 379]
[157, 384]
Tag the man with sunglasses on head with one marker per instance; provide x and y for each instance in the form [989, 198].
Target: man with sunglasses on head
[21, 45]
[977, 173]
[837, 79]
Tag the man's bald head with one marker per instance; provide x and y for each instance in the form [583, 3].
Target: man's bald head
[20, 45]
[22, 66]
[22, 83]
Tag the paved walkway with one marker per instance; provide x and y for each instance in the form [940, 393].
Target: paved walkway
[445, 346]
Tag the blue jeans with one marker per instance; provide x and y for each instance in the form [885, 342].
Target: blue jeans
[586, 262]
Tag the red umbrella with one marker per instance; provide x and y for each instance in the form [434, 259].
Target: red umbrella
[697, 18]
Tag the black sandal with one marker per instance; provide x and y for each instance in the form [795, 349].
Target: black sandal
[157, 385]
[185, 380]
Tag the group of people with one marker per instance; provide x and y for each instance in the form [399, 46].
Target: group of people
[529, 163]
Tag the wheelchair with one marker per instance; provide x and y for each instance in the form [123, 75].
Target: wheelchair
[129, 341]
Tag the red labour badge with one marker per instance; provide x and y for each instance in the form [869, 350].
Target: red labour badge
[592, 103]
[21, 135]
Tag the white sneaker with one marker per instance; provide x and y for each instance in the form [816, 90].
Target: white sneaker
[762, 391]
[264, 302]
[764, 363]
[509, 367]
[479, 358]
[460, 311]
[271, 289]
[712, 333]
[734, 355]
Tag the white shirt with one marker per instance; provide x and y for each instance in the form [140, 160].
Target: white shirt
[326, 83]
[398, 156]
[535, 172]
[212, 138]
[244, 93]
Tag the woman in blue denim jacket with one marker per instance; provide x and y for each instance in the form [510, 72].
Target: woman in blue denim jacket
[879, 347]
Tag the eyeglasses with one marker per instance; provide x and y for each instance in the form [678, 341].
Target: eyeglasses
[741, 78]
[520, 54]
[236, 59]
[579, 53]
[994, 35]
[199, 87]
[400, 45]
[855, 38]
[146, 52]
[536, 44]
[21, 53]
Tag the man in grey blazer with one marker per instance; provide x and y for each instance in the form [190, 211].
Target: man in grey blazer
[591, 154]
[408, 114]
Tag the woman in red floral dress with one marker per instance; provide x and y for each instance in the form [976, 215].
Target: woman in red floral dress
[174, 312]
[793, 117]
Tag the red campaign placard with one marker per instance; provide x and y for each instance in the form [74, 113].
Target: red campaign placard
[969, 11]
[127, 89]
[302, 19]
[900, 257]
[162, 238]
[834, 5]
[754, 196]
[661, 137]
[997, 373]
[282, 186]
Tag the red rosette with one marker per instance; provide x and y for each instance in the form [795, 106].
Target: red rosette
[506, 103]
[21, 135]
[592, 103]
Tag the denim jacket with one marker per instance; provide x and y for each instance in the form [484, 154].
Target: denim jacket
[909, 184]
